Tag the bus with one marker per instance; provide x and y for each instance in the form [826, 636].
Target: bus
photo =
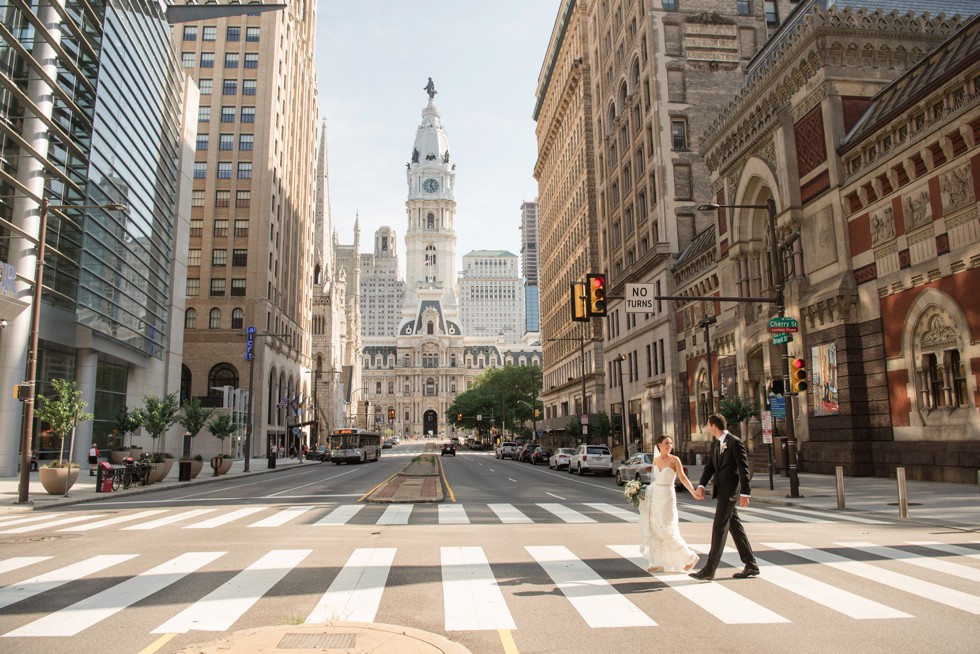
[354, 446]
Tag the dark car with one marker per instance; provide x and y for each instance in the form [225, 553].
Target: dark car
[540, 455]
[448, 448]
[387, 445]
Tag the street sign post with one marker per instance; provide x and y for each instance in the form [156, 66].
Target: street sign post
[767, 427]
[781, 338]
[777, 405]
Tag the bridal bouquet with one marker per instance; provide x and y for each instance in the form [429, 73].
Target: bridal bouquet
[634, 492]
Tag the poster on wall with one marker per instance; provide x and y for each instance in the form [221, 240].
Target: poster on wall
[823, 387]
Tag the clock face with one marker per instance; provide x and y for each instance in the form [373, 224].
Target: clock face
[430, 185]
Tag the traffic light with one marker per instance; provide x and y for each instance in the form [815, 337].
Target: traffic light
[798, 376]
[459, 417]
[391, 414]
[579, 312]
[596, 303]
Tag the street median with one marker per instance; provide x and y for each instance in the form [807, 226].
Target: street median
[419, 481]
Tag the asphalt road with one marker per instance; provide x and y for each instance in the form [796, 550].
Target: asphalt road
[517, 559]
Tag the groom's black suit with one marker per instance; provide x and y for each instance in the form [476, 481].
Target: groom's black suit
[730, 468]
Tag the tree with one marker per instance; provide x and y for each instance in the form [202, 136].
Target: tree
[126, 423]
[498, 392]
[735, 409]
[600, 427]
[157, 415]
[193, 417]
[63, 413]
[221, 427]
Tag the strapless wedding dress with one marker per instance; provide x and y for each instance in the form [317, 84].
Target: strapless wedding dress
[660, 535]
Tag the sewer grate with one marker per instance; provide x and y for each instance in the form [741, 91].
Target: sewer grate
[317, 641]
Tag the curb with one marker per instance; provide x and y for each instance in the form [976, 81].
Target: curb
[416, 483]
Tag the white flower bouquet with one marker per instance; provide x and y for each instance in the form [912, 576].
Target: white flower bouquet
[634, 492]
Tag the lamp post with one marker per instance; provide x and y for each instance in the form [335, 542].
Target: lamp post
[27, 427]
[251, 336]
[779, 281]
[705, 322]
[622, 414]
[363, 388]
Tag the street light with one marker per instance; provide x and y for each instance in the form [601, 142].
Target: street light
[622, 411]
[250, 355]
[705, 322]
[776, 263]
[27, 427]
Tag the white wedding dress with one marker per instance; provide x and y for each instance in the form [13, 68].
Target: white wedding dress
[660, 534]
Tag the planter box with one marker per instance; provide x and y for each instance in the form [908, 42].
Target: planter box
[116, 456]
[160, 471]
[53, 479]
[196, 467]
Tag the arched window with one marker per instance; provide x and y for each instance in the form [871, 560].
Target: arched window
[237, 318]
[222, 374]
[185, 383]
[430, 221]
[214, 319]
[190, 319]
[430, 328]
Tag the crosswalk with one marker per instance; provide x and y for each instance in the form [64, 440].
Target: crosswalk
[600, 590]
[276, 516]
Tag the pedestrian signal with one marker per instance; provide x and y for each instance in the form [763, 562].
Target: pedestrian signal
[391, 414]
[596, 287]
[798, 376]
[579, 312]
[459, 417]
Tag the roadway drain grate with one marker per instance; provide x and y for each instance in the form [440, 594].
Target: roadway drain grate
[317, 641]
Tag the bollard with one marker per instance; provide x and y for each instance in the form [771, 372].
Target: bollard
[215, 463]
[903, 499]
[978, 479]
[839, 471]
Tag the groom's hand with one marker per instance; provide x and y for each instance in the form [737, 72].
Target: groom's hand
[699, 493]
[743, 501]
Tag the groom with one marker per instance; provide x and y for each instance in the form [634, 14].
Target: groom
[729, 466]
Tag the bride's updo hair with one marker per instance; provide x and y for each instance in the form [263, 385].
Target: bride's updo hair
[661, 438]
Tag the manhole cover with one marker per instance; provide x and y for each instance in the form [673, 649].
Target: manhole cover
[318, 641]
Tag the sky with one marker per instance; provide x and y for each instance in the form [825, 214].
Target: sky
[374, 58]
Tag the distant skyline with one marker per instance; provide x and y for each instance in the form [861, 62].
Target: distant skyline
[374, 58]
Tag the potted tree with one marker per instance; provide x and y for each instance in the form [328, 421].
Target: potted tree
[221, 427]
[126, 423]
[62, 414]
[156, 416]
[194, 418]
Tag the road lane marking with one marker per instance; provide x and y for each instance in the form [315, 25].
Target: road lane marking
[566, 514]
[617, 511]
[43, 583]
[471, 597]
[599, 604]
[55, 523]
[339, 516]
[114, 521]
[559, 497]
[168, 520]
[452, 514]
[936, 565]
[282, 517]
[157, 644]
[512, 479]
[396, 514]
[442, 472]
[925, 589]
[222, 607]
[355, 594]
[81, 615]
[17, 562]
[833, 598]
[225, 518]
[509, 514]
[721, 602]
[507, 641]
[380, 484]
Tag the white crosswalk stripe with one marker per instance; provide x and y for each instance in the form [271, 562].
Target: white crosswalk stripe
[617, 511]
[472, 599]
[341, 515]
[19, 562]
[280, 518]
[396, 514]
[949, 549]
[452, 514]
[47, 581]
[224, 519]
[47, 525]
[745, 517]
[565, 513]
[937, 565]
[355, 594]
[168, 520]
[24, 519]
[781, 514]
[114, 521]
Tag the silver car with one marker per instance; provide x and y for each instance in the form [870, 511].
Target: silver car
[639, 466]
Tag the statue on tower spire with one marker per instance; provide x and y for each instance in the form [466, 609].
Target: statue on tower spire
[430, 88]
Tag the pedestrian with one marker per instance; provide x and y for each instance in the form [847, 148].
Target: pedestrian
[274, 451]
[728, 464]
[93, 460]
[660, 535]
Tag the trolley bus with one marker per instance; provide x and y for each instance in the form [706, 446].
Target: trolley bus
[354, 446]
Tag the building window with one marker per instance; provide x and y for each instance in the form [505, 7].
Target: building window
[772, 13]
[670, 5]
[200, 170]
[744, 7]
[194, 257]
[224, 170]
[231, 60]
[245, 141]
[229, 87]
[207, 60]
[243, 200]
[197, 225]
[187, 59]
[233, 34]
[241, 227]
[214, 318]
[249, 86]
[202, 141]
[217, 288]
[678, 134]
[227, 114]
[248, 114]
[239, 257]
[190, 319]
[192, 288]
[245, 170]
[226, 141]
[238, 287]
[251, 60]
[219, 257]
[222, 198]
[206, 85]
[221, 227]
[204, 114]
[252, 34]
[210, 33]
[197, 198]
[190, 32]
[237, 318]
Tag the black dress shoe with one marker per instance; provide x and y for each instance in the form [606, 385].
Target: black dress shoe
[704, 575]
[748, 571]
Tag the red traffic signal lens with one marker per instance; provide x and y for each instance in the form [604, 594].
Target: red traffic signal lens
[799, 363]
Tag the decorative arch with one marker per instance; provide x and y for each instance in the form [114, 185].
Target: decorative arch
[937, 346]
[221, 374]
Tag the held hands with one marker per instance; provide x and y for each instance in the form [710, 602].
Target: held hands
[743, 501]
[698, 493]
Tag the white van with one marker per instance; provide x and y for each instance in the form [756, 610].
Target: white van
[591, 458]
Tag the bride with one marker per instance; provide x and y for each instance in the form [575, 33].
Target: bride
[660, 536]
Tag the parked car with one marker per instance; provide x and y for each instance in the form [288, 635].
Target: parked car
[448, 448]
[639, 466]
[591, 458]
[524, 452]
[321, 454]
[506, 450]
[559, 458]
[387, 445]
[539, 455]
